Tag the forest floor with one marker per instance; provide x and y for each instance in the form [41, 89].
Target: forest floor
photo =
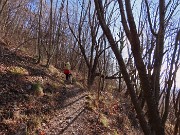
[60, 109]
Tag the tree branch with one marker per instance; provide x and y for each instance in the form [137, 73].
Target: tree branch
[149, 18]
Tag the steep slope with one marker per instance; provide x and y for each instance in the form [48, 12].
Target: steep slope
[21, 109]
[36, 100]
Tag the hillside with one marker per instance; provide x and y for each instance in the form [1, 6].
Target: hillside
[36, 100]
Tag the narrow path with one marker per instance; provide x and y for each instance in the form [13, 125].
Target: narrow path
[68, 120]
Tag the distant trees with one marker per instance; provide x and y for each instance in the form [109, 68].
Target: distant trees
[47, 31]
[37, 27]
[90, 40]
[50, 42]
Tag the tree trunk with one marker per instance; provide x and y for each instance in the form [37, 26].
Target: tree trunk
[90, 81]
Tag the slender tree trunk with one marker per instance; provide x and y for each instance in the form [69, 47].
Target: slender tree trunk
[50, 43]
[39, 34]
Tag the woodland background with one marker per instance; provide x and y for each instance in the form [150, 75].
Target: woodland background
[130, 46]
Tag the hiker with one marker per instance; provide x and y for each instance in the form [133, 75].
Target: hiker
[67, 72]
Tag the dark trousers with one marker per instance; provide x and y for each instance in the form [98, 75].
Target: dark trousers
[67, 77]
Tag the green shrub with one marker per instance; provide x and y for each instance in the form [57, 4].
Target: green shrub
[104, 120]
[38, 90]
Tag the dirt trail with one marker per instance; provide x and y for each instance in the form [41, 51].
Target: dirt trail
[69, 120]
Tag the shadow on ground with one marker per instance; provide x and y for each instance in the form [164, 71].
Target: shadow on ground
[14, 91]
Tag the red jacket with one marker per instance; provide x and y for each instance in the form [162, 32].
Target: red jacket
[66, 71]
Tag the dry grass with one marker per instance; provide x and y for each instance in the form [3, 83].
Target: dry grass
[18, 70]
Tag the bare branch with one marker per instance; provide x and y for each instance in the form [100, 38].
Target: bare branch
[149, 18]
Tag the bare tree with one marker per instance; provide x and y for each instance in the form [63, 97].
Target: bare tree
[149, 85]
[92, 30]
